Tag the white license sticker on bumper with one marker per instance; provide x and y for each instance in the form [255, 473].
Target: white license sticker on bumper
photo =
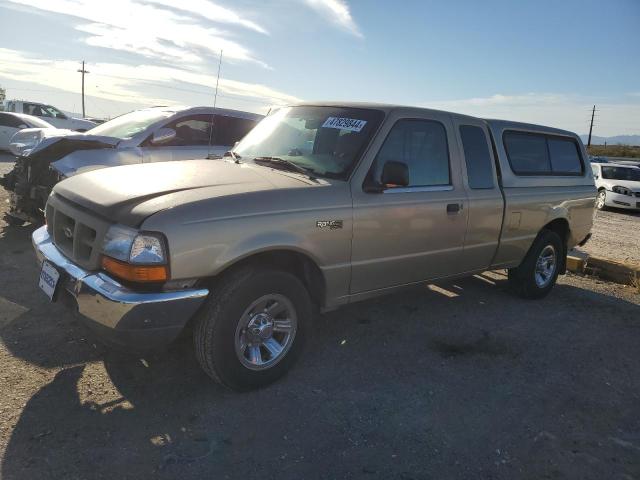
[49, 277]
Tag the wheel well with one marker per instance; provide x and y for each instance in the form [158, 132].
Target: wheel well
[293, 262]
[561, 227]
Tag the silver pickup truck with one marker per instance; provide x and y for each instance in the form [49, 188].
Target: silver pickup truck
[319, 206]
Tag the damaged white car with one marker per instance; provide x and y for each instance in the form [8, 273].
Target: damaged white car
[46, 156]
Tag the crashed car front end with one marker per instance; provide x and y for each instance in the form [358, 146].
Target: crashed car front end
[34, 175]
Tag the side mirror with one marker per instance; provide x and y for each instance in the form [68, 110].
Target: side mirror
[23, 125]
[163, 135]
[61, 116]
[396, 174]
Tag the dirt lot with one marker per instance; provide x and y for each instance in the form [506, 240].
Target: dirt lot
[461, 380]
[616, 236]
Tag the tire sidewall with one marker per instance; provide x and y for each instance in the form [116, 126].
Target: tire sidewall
[604, 200]
[229, 368]
[527, 274]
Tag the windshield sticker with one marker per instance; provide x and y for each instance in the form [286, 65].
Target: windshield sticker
[351, 124]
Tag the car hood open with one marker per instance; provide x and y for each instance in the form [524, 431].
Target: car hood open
[128, 194]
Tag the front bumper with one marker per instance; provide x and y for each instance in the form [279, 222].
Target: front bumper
[618, 200]
[118, 314]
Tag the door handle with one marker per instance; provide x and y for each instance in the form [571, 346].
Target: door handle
[453, 208]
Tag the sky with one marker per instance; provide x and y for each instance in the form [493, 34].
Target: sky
[539, 61]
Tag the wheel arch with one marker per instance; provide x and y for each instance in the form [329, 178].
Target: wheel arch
[288, 259]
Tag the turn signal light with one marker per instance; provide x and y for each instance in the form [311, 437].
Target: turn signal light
[135, 273]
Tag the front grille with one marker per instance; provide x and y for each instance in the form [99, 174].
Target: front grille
[76, 233]
[637, 194]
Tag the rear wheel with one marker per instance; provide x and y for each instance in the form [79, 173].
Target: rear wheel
[538, 272]
[601, 200]
[253, 328]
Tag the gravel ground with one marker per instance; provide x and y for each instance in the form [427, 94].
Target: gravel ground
[616, 236]
[459, 380]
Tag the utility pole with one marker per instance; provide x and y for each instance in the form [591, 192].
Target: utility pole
[593, 113]
[83, 71]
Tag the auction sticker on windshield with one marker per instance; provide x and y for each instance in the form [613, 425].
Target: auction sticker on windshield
[350, 124]
[48, 279]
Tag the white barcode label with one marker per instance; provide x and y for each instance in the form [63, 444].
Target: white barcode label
[351, 124]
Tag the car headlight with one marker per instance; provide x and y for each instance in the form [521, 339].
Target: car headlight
[24, 141]
[135, 256]
[622, 190]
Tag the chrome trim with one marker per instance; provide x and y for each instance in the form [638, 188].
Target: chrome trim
[437, 188]
[111, 304]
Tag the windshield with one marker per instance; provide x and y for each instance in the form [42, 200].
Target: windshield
[621, 173]
[326, 141]
[129, 124]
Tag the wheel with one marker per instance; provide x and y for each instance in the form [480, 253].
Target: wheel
[538, 272]
[601, 200]
[253, 327]
[13, 221]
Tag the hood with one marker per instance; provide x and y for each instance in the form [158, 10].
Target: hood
[56, 142]
[128, 194]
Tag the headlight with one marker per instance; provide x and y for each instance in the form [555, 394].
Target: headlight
[24, 141]
[622, 190]
[135, 256]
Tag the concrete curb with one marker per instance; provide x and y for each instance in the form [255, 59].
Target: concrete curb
[618, 272]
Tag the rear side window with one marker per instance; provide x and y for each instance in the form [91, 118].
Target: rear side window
[537, 154]
[477, 157]
[564, 156]
[422, 146]
[527, 153]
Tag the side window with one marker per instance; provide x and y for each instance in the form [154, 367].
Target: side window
[422, 146]
[527, 153]
[229, 130]
[10, 121]
[477, 157]
[193, 130]
[565, 157]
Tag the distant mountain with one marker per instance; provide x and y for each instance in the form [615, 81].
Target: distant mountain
[616, 140]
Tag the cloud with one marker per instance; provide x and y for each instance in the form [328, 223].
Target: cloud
[129, 83]
[570, 112]
[211, 11]
[149, 29]
[338, 12]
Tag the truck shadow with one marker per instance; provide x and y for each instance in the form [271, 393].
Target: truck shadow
[413, 366]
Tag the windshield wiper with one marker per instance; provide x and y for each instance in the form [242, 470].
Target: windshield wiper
[232, 154]
[287, 164]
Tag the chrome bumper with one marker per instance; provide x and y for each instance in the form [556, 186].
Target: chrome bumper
[118, 313]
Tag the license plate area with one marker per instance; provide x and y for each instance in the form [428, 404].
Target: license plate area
[49, 277]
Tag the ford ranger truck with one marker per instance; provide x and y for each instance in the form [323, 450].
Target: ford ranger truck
[319, 206]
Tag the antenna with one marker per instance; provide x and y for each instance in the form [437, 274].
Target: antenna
[215, 101]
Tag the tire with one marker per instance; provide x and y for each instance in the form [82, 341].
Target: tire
[219, 335]
[534, 278]
[601, 200]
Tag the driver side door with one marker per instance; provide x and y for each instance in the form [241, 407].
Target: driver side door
[416, 232]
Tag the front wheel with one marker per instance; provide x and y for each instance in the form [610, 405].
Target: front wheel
[601, 200]
[253, 327]
[538, 272]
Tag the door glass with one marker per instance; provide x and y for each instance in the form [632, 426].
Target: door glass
[422, 146]
[477, 157]
[192, 130]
